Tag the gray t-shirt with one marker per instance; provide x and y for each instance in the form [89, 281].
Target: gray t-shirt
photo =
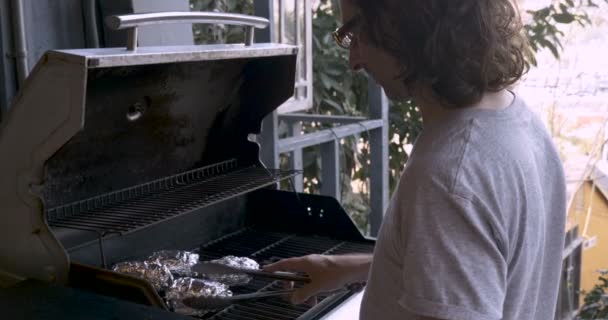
[475, 229]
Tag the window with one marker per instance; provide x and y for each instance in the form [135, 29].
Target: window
[293, 25]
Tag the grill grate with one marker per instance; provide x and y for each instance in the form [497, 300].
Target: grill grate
[131, 209]
[265, 247]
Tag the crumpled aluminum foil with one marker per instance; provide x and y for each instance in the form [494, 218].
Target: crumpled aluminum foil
[183, 288]
[234, 279]
[158, 275]
[178, 262]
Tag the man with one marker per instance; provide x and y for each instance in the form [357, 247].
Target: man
[475, 229]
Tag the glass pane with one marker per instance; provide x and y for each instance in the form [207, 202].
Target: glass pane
[290, 21]
[277, 20]
[301, 32]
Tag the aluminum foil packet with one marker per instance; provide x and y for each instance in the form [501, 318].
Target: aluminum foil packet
[183, 288]
[237, 262]
[178, 262]
[158, 275]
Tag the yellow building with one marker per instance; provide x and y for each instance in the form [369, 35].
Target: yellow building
[589, 210]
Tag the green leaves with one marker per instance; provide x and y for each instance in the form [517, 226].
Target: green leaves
[219, 33]
[550, 45]
[596, 301]
[544, 32]
[336, 89]
[564, 17]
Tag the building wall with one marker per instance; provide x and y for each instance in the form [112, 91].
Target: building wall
[60, 24]
[594, 257]
[48, 25]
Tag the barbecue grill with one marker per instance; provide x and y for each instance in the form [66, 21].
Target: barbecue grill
[111, 154]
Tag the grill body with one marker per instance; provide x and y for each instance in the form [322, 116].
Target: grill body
[110, 155]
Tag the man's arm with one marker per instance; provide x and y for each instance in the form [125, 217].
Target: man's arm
[355, 266]
[327, 272]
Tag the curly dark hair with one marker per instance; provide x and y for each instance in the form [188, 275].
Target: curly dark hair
[461, 48]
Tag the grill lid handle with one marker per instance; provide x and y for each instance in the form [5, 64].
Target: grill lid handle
[133, 21]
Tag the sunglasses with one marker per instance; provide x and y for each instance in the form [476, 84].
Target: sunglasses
[345, 35]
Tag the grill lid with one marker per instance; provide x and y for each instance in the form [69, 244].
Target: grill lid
[88, 122]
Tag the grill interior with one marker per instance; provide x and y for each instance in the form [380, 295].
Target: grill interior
[131, 209]
[268, 246]
[265, 225]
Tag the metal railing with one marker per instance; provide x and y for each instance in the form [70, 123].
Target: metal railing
[376, 124]
[329, 141]
[568, 299]
[605, 144]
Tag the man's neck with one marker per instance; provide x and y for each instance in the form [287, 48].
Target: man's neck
[434, 112]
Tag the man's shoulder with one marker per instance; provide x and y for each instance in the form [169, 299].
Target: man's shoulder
[439, 155]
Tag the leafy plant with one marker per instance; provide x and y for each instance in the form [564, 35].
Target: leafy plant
[544, 31]
[596, 301]
[220, 33]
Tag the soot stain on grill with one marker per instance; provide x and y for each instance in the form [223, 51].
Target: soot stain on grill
[182, 106]
[114, 151]
[158, 121]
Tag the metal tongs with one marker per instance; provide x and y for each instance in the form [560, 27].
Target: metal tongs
[212, 303]
[222, 269]
[218, 302]
[215, 302]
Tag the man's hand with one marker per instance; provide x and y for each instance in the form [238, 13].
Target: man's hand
[324, 275]
[327, 273]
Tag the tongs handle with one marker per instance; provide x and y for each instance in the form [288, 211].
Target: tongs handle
[217, 268]
[263, 294]
[216, 303]
[285, 276]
